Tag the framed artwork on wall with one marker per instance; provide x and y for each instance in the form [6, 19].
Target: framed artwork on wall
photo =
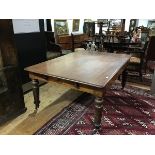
[61, 27]
[76, 23]
[89, 28]
[104, 21]
[115, 23]
[151, 24]
[132, 25]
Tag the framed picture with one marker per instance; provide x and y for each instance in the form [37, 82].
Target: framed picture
[132, 25]
[104, 21]
[115, 23]
[89, 28]
[151, 24]
[76, 23]
[61, 27]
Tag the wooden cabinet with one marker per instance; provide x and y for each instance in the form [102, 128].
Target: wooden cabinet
[11, 95]
[64, 41]
[69, 42]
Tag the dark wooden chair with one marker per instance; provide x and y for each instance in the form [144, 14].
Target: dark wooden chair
[137, 59]
[150, 61]
[150, 52]
[53, 50]
[79, 41]
[151, 65]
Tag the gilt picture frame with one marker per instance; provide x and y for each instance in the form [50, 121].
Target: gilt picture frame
[76, 24]
[61, 27]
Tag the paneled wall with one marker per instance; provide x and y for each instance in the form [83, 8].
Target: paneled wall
[11, 95]
[30, 43]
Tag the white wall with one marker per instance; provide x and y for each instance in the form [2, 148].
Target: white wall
[127, 23]
[45, 25]
[25, 25]
[143, 22]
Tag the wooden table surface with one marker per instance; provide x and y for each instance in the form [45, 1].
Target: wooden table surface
[90, 68]
[89, 72]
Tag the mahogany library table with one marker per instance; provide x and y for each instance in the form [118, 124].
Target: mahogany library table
[90, 72]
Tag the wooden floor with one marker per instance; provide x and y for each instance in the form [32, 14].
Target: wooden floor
[53, 99]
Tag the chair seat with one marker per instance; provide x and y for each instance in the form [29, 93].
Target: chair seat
[64, 52]
[135, 60]
[79, 49]
[52, 55]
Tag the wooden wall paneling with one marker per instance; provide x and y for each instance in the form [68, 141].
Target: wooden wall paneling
[31, 50]
[11, 97]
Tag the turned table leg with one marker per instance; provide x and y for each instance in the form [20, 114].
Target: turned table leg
[98, 111]
[124, 78]
[35, 86]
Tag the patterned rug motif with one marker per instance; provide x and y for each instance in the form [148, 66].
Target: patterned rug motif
[125, 112]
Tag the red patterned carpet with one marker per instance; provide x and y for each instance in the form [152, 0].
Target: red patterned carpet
[125, 112]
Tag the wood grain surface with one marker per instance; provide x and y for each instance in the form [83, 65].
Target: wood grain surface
[95, 69]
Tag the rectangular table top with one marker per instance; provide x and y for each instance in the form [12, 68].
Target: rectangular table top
[90, 68]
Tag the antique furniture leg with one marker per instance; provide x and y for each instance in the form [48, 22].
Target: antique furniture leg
[124, 78]
[98, 111]
[35, 87]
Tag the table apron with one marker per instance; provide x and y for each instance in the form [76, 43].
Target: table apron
[74, 85]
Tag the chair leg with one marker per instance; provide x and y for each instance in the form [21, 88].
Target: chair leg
[124, 78]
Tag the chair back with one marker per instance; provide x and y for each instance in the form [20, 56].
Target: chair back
[150, 51]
